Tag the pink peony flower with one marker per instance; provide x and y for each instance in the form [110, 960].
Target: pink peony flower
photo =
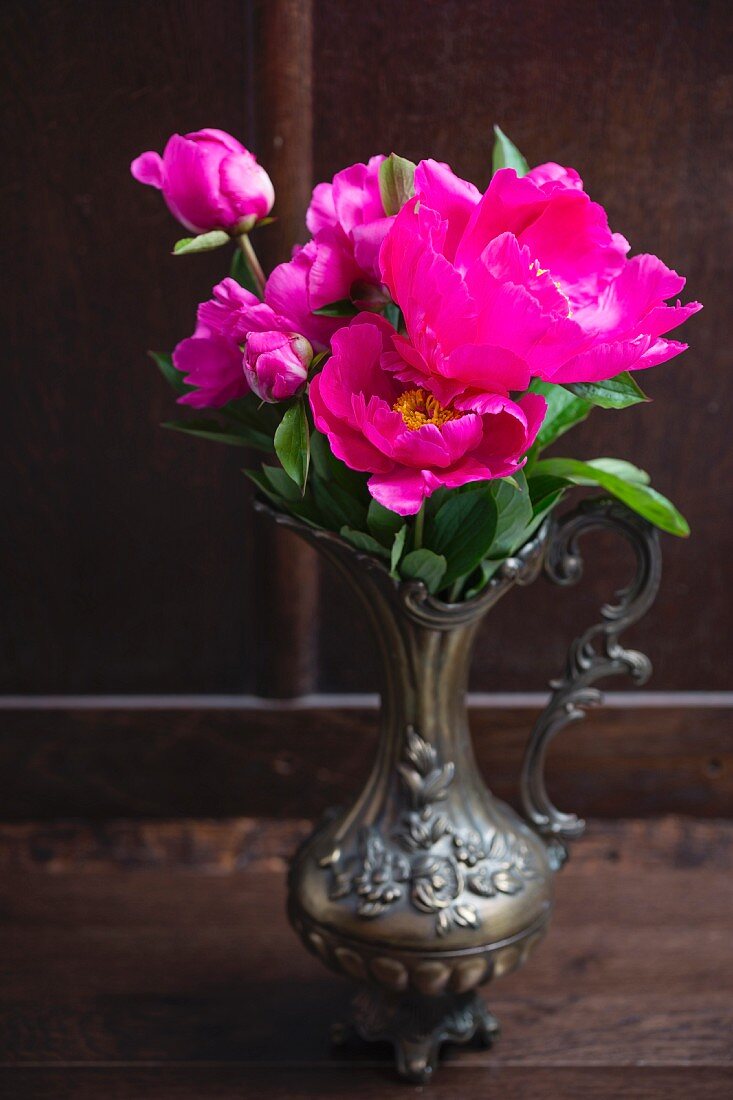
[524, 281]
[341, 261]
[212, 358]
[208, 180]
[276, 364]
[409, 441]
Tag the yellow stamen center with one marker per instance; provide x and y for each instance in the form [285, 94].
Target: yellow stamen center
[418, 407]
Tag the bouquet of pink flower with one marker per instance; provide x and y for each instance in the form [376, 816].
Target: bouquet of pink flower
[411, 362]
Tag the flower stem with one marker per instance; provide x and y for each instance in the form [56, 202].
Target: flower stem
[253, 263]
[419, 526]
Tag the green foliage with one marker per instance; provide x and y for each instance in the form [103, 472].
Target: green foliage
[208, 428]
[462, 531]
[513, 514]
[292, 444]
[173, 377]
[632, 491]
[343, 308]
[365, 542]
[506, 154]
[204, 242]
[242, 272]
[396, 183]
[564, 410]
[613, 393]
[383, 523]
[423, 565]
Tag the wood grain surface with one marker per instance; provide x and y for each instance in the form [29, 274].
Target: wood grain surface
[296, 761]
[128, 558]
[183, 980]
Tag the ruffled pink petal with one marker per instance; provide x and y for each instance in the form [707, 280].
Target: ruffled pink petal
[571, 238]
[367, 242]
[643, 284]
[356, 196]
[321, 213]
[402, 490]
[286, 293]
[333, 270]
[216, 138]
[551, 177]
[454, 198]
[214, 366]
[603, 361]
[192, 185]
[234, 311]
[483, 367]
[246, 185]
[462, 436]
[347, 444]
[510, 204]
[148, 168]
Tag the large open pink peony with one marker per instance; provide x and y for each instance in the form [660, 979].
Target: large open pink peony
[524, 281]
[409, 441]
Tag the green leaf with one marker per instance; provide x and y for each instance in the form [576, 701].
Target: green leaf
[462, 531]
[613, 393]
[331, 469]
[343, 308]
[292, 445]
[423, 565]
[635, 495]
[397, 547]
[506, 154]
[383, 523]
[396, 183]
[242, 272]
[362, 541]
[514, 512]
[282, 483]
[205, 242]
[337, 507]
[564, 410]
[211, 429]
[173, 377]
[303, 509]
[620, 468]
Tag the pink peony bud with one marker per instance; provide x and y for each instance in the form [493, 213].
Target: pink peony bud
[209, 181]
[276, 364]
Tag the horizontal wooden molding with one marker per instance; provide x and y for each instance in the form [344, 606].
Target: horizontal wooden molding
[104, 757]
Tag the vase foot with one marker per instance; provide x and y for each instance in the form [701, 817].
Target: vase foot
[417, 1026]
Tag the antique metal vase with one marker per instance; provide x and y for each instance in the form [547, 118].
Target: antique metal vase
[427, 886]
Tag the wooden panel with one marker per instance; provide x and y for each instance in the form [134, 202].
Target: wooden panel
[127, 558]
[296, 762]
[130, 561]
[182, 984]
[329, 1082]
[639, 98]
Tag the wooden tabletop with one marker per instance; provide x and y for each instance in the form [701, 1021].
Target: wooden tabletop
[153, 960]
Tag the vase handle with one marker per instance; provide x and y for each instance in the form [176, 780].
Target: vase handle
[593, 656]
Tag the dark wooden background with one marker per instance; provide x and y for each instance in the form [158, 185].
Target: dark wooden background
[132, 562]
[128, 565]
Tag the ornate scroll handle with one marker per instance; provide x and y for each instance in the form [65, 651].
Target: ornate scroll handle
[596, 654]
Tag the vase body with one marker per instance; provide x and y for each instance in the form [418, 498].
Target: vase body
[426, 886]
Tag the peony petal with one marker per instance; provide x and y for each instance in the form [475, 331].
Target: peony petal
[192, 185]
[214, 366]
[321, 213]
[403, 491]
[333, 270]
[246, 185]
[454, 198]
[148, 168]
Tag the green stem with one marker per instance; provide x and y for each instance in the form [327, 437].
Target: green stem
[419, 526]
[254, 264]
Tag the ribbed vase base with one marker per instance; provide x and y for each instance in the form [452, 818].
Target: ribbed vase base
[417, 1026]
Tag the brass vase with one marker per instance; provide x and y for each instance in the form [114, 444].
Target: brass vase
[427, 887]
